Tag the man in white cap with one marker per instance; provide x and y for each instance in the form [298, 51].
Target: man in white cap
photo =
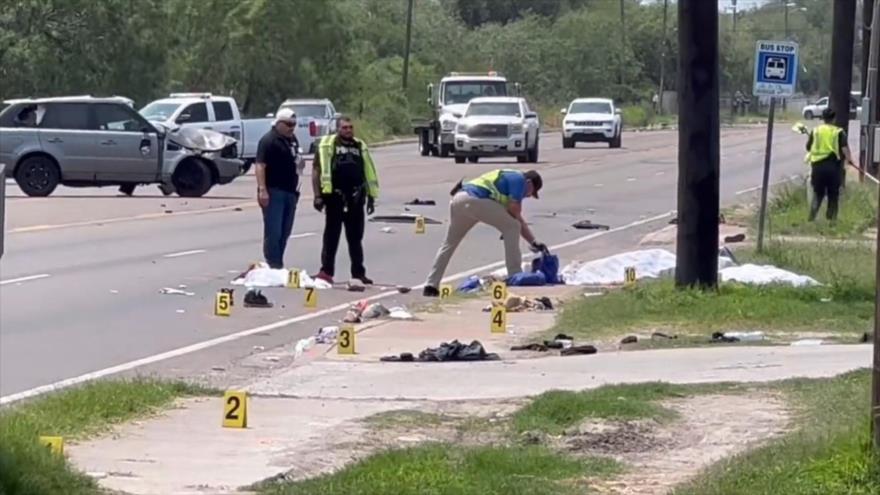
[277, 169]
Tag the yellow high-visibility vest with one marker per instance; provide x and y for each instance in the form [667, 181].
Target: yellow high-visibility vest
[326, 154]
[826, 142]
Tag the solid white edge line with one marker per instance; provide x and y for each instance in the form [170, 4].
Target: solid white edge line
[24, 279]
[181, 351]
[304, 234]
[185, 253]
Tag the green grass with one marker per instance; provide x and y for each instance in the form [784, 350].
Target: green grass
[26, 468]
[788, 210]
[554, 411]
[444, 469]
[827, 455]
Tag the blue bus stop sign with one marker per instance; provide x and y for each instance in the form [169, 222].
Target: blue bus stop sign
[776, 68]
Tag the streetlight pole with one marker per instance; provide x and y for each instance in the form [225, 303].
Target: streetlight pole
[409, 14]
[663, 45]
[785, 4]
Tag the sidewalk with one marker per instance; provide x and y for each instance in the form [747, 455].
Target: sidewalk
[306, 421]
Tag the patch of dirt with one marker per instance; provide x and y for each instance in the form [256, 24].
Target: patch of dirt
[608, 438]
[710, 428]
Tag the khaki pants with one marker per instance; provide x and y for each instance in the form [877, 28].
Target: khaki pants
[464, 212]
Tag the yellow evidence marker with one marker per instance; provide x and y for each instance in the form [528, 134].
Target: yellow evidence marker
[293, 279]
[54, 444]
[235, 409]
[420, 224]
[345, 340]
[311, 297]
[629, 275]
[445, 291]
[499, 319]
[223, 304]
[499, 292]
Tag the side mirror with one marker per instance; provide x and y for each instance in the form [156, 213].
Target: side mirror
[531, 115]
[617, 111]
[430, 98]
[457, 115]
[183, 118]
[518, 89]
[270, 115]
[337, 115]
[563, 111]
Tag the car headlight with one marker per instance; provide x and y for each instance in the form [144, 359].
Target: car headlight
[514, 128]
[462, 128]
[448, 125]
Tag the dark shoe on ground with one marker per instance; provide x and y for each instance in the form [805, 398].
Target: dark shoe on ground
[325, 277]
[256, 299]
[429, 291]
[363, 279]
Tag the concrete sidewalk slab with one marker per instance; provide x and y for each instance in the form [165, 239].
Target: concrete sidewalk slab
[517, 378]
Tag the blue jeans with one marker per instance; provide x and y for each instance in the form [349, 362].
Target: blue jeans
[277, 225]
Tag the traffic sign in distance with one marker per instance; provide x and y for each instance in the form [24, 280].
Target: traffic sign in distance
[235, 409]
[776, 68]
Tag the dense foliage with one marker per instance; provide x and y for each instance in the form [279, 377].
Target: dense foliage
[263, 51]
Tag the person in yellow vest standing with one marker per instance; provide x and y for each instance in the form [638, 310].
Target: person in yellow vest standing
[344, 181]
[827, 149]
[494, 198]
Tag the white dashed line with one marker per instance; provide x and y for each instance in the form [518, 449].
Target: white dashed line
[185, 253]
[24, 279]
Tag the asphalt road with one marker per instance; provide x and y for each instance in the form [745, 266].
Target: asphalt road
[80, 279]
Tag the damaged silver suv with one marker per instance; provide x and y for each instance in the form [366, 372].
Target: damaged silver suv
[86, 141]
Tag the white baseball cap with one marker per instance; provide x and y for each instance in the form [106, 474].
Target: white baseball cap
[285, 114]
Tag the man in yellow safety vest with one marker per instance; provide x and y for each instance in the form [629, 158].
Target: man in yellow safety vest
[827, 149]
[344, 181]
[494, 198]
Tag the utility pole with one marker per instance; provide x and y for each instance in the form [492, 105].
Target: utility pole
[873, 88]
[842, 41]
[698, 144]
[734, 16]
[663, 46]
[409, 15]
[622, 42]
[785, 4]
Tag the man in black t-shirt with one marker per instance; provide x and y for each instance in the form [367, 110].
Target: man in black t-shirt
[277, 170]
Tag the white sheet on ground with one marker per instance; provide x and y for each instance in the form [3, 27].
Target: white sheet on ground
[263, 276]
[656, 263]
[763, 275]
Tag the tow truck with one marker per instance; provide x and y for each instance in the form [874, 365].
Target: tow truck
[448, 101]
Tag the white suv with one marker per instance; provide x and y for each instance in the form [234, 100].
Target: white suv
[591, 120]
[497, 126]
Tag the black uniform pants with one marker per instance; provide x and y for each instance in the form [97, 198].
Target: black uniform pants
[344, 211]
[826, 181]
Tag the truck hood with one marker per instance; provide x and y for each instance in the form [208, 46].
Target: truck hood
[491, 119]
[448, 110]
[594, 117]
[194, 138]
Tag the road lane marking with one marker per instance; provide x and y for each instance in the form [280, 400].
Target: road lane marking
[758, 188]
[303, 235]
[185, 253]
[181, 351]
[24, 279]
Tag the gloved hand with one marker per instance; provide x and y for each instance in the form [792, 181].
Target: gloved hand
[318, 203]
[539, 247]
[371, 206]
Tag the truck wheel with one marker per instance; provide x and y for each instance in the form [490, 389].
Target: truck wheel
[808, 115]
[127, 189]
[532, 155]
[445, 150]
[192, 179]
[424, 145]
[473, 159]
[567, 143]
[38, 176]
[615, 141]
[459, 159]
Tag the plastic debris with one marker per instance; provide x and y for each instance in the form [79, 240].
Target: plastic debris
[375, 310]
[388, 230]
[302, 346]
[326, 335]
[175, 292]
[807, 342]
[400, 313]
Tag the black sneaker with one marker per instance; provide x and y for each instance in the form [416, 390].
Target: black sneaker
[429, 291]
[364, 280]
[256, 299]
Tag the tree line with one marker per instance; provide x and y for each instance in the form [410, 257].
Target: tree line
[263, 51]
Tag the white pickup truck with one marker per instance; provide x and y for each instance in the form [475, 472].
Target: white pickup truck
[206, 111]
[315, 118]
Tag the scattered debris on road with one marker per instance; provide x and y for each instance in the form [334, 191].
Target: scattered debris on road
[579, 350]
[402, 218]
[588, 225]
[421, 202]
[388, 230]
[735, 238]
[326, 335]
[175, 292]
[256, 299]
[631, 339]
[451, 351]
[661, 336]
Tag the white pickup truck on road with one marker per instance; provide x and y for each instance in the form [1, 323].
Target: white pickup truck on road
[315, 118]
[497, 126]
[206, 111]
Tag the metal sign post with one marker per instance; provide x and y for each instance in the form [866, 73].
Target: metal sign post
[776, 64]
[2, 205]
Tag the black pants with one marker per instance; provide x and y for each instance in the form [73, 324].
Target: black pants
[345, 211]
[826, 182]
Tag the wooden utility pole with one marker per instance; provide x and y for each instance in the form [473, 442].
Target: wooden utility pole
[409, 14]
[872, 85]
[842, 48]
[698, 144]
[622, 42]
[663, 45]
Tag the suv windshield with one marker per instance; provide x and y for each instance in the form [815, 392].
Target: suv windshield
[507, 109]
[159, 111]
[590, 107]
[312, 111]
[463, 92]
